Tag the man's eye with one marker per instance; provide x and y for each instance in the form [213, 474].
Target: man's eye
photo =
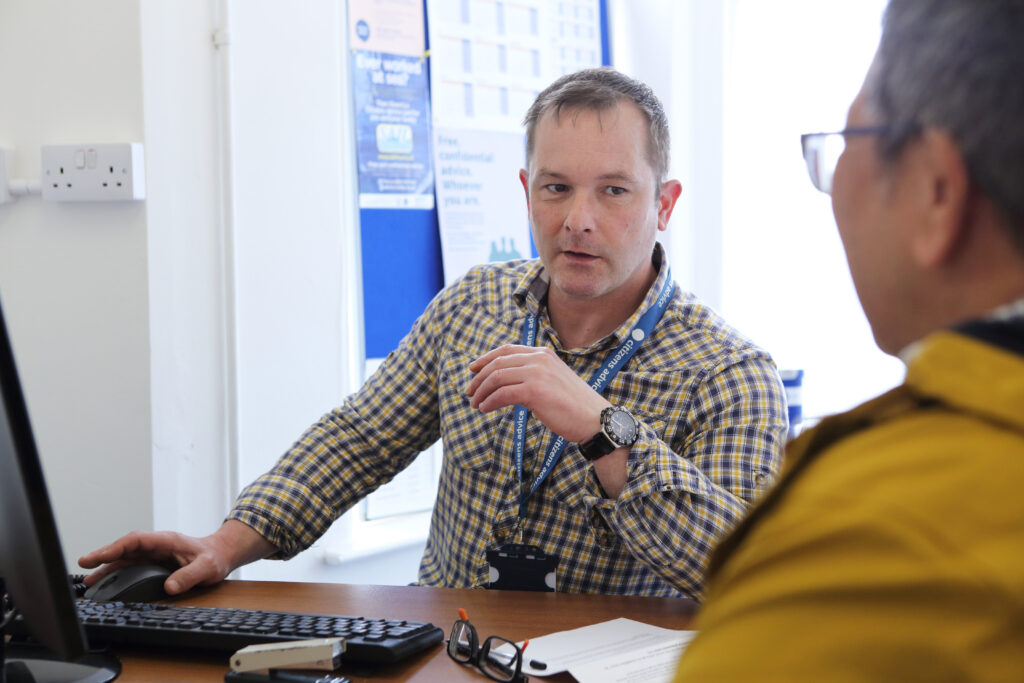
[612, 190]
[557, 188]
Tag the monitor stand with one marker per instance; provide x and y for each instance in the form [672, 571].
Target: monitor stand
[25, 663]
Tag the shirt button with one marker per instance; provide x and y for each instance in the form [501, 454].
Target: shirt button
[605, 539]
[761, 479]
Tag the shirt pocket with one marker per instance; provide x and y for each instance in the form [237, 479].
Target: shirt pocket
[469, 435]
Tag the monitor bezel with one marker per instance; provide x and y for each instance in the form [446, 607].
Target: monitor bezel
[31, 556]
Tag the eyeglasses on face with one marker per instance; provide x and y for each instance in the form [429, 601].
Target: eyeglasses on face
[822, 152]
[498, 658]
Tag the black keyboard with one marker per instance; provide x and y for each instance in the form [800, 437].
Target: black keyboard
[228, 629]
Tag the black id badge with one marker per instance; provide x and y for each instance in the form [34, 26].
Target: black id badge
[519, 567]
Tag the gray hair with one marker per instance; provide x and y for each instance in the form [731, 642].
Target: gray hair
[958, 65]
[599, 90]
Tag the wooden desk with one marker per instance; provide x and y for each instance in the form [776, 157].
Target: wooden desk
[512, 614]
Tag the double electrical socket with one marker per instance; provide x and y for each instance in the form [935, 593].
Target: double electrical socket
[93, 173]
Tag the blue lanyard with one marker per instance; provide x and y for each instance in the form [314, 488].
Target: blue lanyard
[598, 382]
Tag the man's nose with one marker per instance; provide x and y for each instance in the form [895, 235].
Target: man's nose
[581, 213]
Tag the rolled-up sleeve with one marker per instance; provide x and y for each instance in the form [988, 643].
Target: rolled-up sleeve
[677, 503]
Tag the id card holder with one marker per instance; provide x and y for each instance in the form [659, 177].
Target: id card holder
[519, 567]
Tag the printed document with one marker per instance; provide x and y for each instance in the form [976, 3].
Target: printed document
[617, 651]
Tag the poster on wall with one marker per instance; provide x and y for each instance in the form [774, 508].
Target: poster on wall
[392, 120]
[489, 59]
[392, 104]
[480, 200]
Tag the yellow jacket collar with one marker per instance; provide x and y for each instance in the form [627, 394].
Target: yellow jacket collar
[960, 370]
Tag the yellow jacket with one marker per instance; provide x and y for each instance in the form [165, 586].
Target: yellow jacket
[892, 547]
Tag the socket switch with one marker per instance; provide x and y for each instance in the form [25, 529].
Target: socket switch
[93, 173]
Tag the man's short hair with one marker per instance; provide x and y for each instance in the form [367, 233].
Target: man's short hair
[598, 90]
[958, 65]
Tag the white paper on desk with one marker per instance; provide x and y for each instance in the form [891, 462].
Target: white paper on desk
[655, 663]
[620, 646]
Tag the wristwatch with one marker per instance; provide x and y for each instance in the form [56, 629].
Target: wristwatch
[618, 428]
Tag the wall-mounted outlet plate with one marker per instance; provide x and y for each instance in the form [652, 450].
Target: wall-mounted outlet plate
[93, 173]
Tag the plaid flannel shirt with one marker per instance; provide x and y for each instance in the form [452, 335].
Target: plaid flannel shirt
[713, 422]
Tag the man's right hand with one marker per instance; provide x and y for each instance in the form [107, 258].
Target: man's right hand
[199, 561]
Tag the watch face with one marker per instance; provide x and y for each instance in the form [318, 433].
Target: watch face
[622, 427]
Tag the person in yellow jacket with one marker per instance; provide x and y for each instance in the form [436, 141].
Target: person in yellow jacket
[892, 546]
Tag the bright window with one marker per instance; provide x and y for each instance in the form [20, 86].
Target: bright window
[793, 67]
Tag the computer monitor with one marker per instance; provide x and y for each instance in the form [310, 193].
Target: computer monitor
[31, 560]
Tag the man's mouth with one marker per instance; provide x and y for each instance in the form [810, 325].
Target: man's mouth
[580, 255]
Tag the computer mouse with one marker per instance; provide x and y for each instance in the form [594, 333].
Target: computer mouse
[132, 583]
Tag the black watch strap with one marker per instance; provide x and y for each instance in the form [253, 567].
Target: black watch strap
[597, 446]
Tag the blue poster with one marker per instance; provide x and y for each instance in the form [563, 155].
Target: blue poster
[392, 131]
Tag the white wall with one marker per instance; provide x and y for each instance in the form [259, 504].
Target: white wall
[676, 47]
[74, 278]
[190, 274]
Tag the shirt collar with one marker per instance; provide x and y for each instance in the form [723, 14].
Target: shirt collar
[1014, 309]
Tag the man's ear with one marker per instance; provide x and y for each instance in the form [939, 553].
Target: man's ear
[670, 191]
[524, 178]
[943, 188]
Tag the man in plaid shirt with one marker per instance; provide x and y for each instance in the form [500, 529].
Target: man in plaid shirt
[645, 425]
